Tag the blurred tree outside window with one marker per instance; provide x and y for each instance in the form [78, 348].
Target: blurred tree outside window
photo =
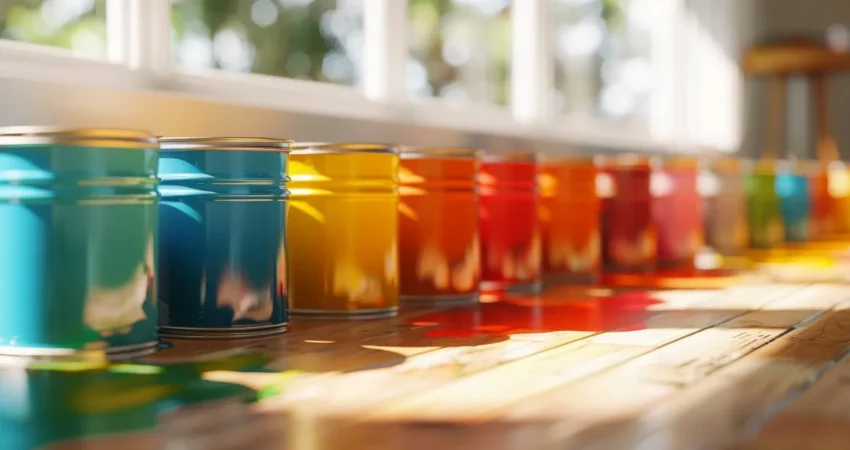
[602, 64]
[75, 25]
[459, 50]
[319, 40]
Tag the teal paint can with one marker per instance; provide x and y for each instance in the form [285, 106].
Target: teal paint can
[223, 253]
[78, 241]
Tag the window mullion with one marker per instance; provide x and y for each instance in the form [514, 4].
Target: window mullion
[148, 35]
[532, 55]
[385, 29]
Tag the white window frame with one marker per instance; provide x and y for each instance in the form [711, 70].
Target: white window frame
[139, 66]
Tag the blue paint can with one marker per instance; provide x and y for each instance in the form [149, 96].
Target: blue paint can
[792, 187]
[78, 242]
[222, 250]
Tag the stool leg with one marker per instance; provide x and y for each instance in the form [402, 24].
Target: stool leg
[827, 148]
[774, 141]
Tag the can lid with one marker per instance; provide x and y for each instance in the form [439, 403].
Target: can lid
[625, 160]
[728, 164]
[81, 137]
[426, 153]
[679, 161]
[225, 143]
[566, 158]
[508, 156]
[302, 148]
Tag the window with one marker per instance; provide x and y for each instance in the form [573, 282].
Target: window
[459, 50]
[75, 25]
[602, 65]
[320, 40]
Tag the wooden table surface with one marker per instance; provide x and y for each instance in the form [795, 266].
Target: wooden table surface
[753, 366]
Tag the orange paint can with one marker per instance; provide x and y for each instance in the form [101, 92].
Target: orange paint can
[439, 250]
[569, 219]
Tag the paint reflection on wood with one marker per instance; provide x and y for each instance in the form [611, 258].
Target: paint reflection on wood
[792, 187]
[629, 236]
[344, 212]
[223, 249]
[677, 211]
[509, 227]
[765, 218]
[726, 228]
[569, 219]
[77, 242]
[439, 251]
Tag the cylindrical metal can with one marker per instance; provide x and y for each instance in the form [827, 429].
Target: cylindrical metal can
[223, 253]
[569, 219]
[78, 242]
[765, 218]
[839, 197]
[629, 237]
[677, 211]
[510, 230]
[821, 205]
[439, 252]
[726, 228]
[792, 187]
[344, 227]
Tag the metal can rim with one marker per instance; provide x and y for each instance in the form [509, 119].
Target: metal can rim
[306, 148]
[78, 137]
[252, 144]
[625, 159]
[439, 152]
[549, 157]
[497, 156]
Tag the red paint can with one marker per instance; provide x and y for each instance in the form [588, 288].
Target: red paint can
[509, 227]
[677, 211]
[628, 231]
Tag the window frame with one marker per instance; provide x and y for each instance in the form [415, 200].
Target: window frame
[139, 60]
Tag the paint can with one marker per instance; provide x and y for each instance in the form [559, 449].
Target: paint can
[223, 254]
[722, 186]
[839, 197]
[439, 249]
[344, 227]
[569, 219]
[78, 242]
[629, 237]
[677, 211]
[511, 259]
[765, 218]
[821, 204]
[795, 202]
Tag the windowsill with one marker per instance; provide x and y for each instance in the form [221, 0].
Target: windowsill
[52, 87]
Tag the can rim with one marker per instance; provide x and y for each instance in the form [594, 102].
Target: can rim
[80, 137]
[306, 148]
[508, 156]
[680, 161]
[254, 144]
[439, 152]
[728, 163]
[549, 157]
[625, 159]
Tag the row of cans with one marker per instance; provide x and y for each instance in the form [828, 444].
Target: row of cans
[111, 238]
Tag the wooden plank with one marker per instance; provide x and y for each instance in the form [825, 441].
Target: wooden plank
[737, 400]
[487, 394]
[342, 402]
[424, 371]
[608, 408]
[819, 419]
